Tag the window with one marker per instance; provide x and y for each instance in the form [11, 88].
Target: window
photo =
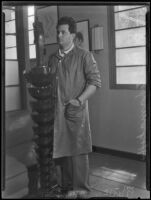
[12, 81]
[31, 19]
[128, 46]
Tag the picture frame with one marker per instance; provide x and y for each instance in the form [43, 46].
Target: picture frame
[83, 27]
[48, 16]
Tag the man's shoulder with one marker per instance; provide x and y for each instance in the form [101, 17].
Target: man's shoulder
[82, 51]
[86, 53]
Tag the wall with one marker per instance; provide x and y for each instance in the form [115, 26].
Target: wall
[18, 149]
[115, 114]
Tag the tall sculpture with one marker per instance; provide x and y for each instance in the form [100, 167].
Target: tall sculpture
[39, 86]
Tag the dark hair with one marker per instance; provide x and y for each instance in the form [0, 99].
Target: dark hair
[68, 20]
[79, 35]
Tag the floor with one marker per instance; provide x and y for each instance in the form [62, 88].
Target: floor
[112, 176]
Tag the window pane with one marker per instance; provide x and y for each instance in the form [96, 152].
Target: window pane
[11, 73]
[10, 27]
[32, 51]
[130, 37]
[11, 53]
[12, 98]
[10, 41]
[131, 56]
[31, 37]
[131, 18]
[9, 15]
[31, 10]
[119, 8]
[30, 22]
[131, 75]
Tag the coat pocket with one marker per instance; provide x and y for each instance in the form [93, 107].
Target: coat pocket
[74, 113]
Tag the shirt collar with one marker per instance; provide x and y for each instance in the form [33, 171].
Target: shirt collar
[66, 52]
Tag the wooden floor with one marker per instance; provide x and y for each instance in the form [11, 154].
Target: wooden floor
[112, 176]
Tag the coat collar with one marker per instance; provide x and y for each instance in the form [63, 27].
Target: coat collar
[67, 51]
[72, 50]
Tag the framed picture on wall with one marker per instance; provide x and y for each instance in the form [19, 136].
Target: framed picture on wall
[83, 27]
[48, 16]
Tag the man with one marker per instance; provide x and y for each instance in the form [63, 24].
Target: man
[75, 78]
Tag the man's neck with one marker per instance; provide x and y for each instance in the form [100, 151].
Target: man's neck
[67, 50]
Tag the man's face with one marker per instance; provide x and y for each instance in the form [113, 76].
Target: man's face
[64, 37]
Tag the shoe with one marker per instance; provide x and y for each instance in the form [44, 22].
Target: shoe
[71, 195]
[76, 194]
[82, 194]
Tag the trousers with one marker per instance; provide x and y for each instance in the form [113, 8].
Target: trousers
[74, 172]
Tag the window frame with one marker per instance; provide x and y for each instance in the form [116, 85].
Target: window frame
[21, 52]
[22, 58]
[112, 56]
[32, 29]
[15, 85]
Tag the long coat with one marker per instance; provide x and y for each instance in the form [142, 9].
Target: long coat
[71, 74]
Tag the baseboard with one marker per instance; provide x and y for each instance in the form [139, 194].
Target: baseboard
[17, 195]
[118, 153]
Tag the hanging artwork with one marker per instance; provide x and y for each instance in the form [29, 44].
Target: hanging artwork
[83, 27]
[49, 17]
